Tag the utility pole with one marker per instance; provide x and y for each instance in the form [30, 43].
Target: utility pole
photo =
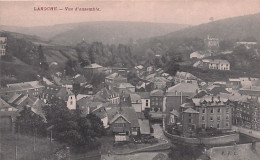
[34, 139]
[16, 147]
[51, 137]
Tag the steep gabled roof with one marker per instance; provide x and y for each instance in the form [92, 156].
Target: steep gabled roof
[4, 105]
[127, 112]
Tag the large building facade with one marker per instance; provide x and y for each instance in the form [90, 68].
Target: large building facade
[214, 112]
[3, 41]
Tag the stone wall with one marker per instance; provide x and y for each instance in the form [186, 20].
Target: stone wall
[210, 140]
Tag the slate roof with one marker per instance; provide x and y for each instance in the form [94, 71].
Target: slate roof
[150, 76]
[14, 97]
[63, 93]
[218, 61]
[139, 67]
[158, 80]
[106, 94]
[125, 85]
[217, 100]
[93, 65]
[216, 90]
[190, 110]
[48, 82]
[127, 112]
[176, 113]
[21, 86]
[135, 98]
[185, 75]
[115, 75]
[251, 91]
[5, 105]
[157, 92]
[186, 88]
[144, 95]
[140, 115]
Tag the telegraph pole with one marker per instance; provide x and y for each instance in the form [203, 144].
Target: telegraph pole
[16, 146]
[51, 137]
[34, 141]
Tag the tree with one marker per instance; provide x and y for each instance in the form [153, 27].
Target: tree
[28, 121]
[70, 67]
[97, 79]
[185, 152]
[96, 125]
[42, 57]
[71, 128]
[172, 66]
[225, 45]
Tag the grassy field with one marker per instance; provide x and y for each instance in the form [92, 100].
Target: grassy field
[25, 145]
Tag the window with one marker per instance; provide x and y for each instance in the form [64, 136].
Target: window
[227, 117]
[203, 111]
[227, 124]
[203, 118]
[218, 110]
[203, 126]
[189, 114]
[218, 118]
[211, 111]
[189, 120]
[211, 118]
[172, 120]
[217, 125]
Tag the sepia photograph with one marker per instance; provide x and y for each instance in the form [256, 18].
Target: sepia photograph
[130, 80]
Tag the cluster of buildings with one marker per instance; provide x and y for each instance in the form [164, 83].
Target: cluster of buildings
[214, 105]
[182, 101]
[213, 64]
[114, 101]
[3, 42]
[211, 45]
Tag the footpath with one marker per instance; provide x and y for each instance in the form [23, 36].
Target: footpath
[249, 132]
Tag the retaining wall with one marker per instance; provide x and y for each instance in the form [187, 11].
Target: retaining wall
[210, 140]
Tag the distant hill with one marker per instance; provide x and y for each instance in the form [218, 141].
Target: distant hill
[237, 28]
[106, 32]
[187, 40]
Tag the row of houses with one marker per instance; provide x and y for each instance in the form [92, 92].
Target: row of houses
[214, 64]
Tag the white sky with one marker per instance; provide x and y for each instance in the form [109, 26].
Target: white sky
[172, 11]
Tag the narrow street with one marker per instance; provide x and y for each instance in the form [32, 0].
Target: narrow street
[158, 132]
